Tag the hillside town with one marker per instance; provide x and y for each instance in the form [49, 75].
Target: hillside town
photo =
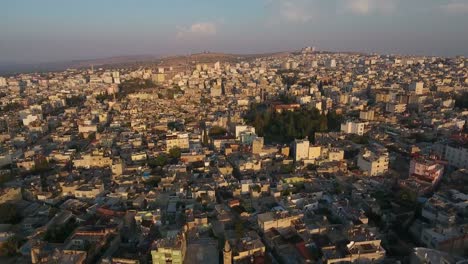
[302, 157]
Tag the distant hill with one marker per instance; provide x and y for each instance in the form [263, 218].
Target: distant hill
[13, 68]
[214, 57]
[134, 60]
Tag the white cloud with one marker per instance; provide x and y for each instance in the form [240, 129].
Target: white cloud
[303, 11]
[365, 7]
[456, 7]
[294, 11]
[197, 29]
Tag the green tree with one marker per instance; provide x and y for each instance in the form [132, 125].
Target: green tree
[217, 131]
[58, 234]
[159, 161]
[75, 100]
[41, 165]
[461, 100]
[287, 126]
[287, 168]
[256, 188]
[334, 121]
[239, 229]
[10, 247]
[175, 153]
[312, 167]
[9, 214]
[323, 123]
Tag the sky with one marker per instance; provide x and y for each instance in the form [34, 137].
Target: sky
[33, 31]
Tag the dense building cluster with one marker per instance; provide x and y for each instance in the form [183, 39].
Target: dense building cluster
[307, 157]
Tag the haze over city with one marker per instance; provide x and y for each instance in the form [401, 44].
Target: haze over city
[54, 30]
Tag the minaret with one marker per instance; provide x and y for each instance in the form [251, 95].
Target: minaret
[227, 253]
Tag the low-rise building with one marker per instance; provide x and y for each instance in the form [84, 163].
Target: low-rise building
[373, 161]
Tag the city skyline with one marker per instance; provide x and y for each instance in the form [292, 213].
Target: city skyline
[48, 31]
[263, 131]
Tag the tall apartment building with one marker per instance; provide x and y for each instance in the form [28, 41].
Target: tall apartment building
[257, 145]
[3, 81]
[301, 149]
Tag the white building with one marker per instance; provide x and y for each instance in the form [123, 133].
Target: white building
[417, 87]
[373, 162]
[242, 129]
[395, 108]
[31, 118]
[331, 63]
[301, 149]
[367, 115]
[286, 65]
[457, 155]
[87, 126]
[351, 127]
[3, 81]
[180, 140]
[426, 168]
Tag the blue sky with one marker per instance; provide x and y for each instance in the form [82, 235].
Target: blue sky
[55, 30]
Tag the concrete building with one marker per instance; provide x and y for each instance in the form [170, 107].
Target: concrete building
[3, 82]
[89, 191]
[240, 129]
[301, 149]
[351, 127]
[277, 220]
[179, 140]
[457, 155]
[257, 145]
[315, 152]
[354, 252]
[453, 239]
[248, 247]
[373, 162]
[426, 168]
[169, 250]
[417, 87]
[367, 115]
[395, 108]
[227, 253]
[158, 77]
[95, 160]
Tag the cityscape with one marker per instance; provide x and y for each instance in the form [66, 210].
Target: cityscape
[219, 156]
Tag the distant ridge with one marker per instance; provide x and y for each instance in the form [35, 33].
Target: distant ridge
[132, 60]
[15, 68]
